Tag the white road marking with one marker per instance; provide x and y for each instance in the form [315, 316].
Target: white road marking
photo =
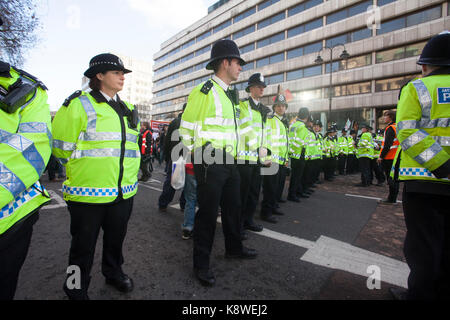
[59, 201]
[149, 187]
[366, 197]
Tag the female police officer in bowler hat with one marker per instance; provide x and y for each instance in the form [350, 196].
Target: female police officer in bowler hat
[95, 136]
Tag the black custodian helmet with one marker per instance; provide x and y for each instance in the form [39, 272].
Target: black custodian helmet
[104, 62]
[223, 49]
[280, 100]
[437, 51]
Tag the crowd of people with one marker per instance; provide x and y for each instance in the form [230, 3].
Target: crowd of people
[234, 149]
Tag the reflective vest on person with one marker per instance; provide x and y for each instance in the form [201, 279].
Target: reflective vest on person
[99, 150]
[252, 132]
[298, 139]
[393, 149]
[278, 142]
[365, 146]
[320, 145]
[210, 117]
[423, 131]
[343, 145]
[351, 147]
[25, 149]
[146, 147]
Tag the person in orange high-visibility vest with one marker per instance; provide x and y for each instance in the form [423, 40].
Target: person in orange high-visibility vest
[389, 147]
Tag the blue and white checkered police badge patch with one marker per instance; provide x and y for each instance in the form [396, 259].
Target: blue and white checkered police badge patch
[443, 95]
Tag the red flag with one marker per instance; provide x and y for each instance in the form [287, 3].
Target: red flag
[288, 95]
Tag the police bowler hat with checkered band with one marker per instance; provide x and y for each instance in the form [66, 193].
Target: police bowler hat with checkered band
[256, 79]
[223, 49]
[104, 62]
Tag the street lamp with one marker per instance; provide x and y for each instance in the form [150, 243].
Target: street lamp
[319, 60]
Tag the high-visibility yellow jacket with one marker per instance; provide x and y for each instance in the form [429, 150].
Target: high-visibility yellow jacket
[25, 148]
[253, 131]
[99, 149]
[298, 139]
[365, 146]
[210, 117]
[278, 142]
[423, 130]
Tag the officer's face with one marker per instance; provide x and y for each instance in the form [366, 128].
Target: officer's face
[233, 69]
[280, 109]
[112, 80]
[257, 91]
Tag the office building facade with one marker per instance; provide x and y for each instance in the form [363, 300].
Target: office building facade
[283, 38]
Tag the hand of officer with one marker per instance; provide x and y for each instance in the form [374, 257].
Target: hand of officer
[379, 160]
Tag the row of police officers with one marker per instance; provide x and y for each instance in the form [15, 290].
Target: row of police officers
[235, 146]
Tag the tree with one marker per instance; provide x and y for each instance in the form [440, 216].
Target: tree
[17, 34]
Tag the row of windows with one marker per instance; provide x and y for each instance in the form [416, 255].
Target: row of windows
[337, 91]
[351, 63]
[406, 21]
[299, 8]
[334, 17]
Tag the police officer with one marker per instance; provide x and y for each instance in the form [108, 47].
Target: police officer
[298, 140]
[253, 141]
[364, 154]
[423, 164]
[389, 148]
[209, 128]
[95, 137]
[317, 127]
[343, 152]
[278, 143]
[375, 168]
[352, 162]
[25, 148]
[145, 145]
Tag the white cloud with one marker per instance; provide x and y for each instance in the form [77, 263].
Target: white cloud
[170, 14]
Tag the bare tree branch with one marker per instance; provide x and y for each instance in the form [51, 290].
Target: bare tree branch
[17, 35]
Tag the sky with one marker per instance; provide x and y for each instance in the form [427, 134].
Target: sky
[73, 31]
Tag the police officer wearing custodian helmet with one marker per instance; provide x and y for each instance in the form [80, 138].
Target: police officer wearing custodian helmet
[95, 137]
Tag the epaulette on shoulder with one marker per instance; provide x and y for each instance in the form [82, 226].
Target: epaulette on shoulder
[206, 86]
[74, 95]
[31, 77]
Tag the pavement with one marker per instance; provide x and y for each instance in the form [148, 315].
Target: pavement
[319, 250]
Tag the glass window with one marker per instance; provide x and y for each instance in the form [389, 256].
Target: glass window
[383, 2]
[244, 15]
[423, 16]
[337, 16]
[276, 78]
[389, 55]
[390, 84]
[271, 20]
[294, 75]
[312, 71]
[276, 58]
[262, 62]
[414, 49]
[248, 66]
[313, 47]
[263, 42]
[312, 3]
[356, 62]
[204, 35]
[294, 53]
[392, 25]
[267, 3]
[244, 32]
[361, 34]
[222, 26]
[359, 8]
[342, 39]
[296, 31]
[297, 9]
[335, 67]
[248, 48]
[314, 24]
[277, 37]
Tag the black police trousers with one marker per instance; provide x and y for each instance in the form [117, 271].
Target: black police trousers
[393, 186]
[282, 174]
[85, 222]
[364, 167]
[250, 175]
[217, 185]
[297, 171]
[14, 244]
[427, 244]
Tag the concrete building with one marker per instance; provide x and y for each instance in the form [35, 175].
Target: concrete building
[283, 38]
[138, 85]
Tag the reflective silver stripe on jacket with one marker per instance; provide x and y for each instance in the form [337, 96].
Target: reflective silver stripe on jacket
[106, 136]
[108, 152]
[63, 145]
[428, 154]
[91, 114]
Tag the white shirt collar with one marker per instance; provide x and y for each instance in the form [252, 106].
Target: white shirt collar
[108, 98]
[256, 102]
[220, 82]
